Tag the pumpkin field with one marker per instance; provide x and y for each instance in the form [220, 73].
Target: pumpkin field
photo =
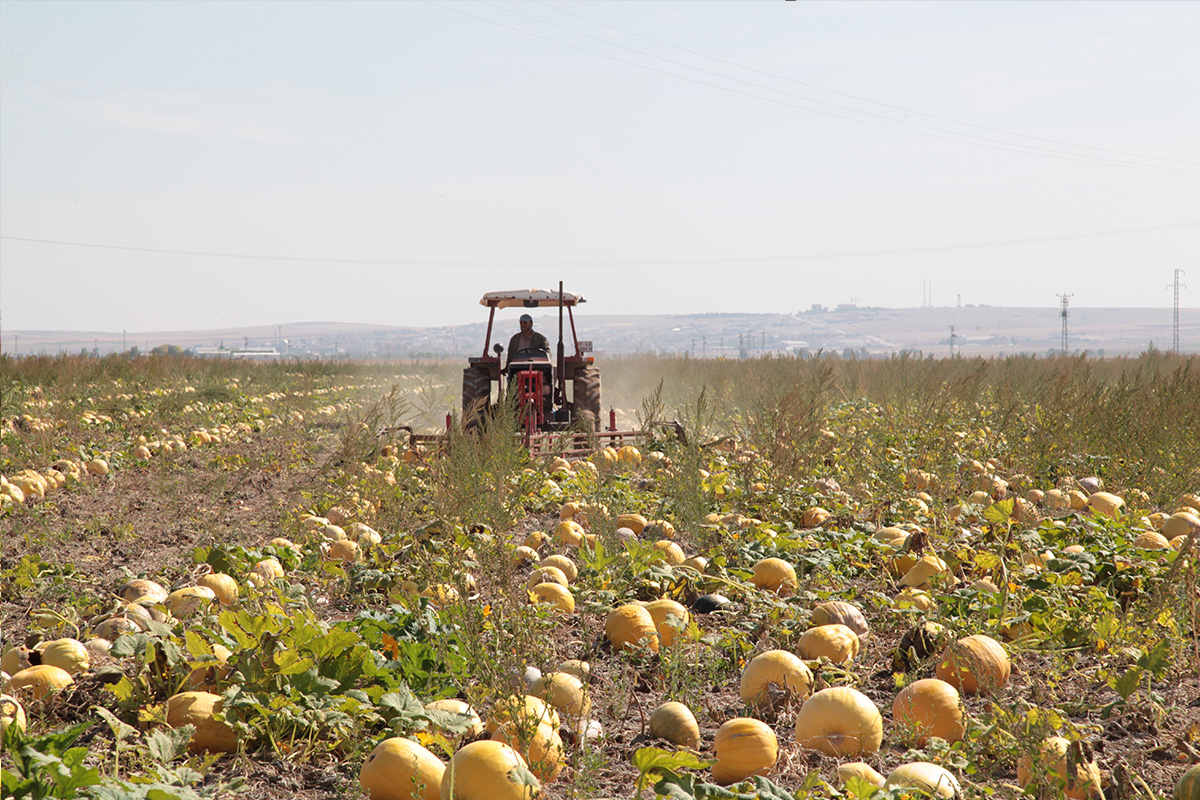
[810, 578]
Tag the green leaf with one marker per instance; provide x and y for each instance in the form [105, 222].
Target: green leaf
[1000, 512]
[1127, 684]
[120, 730]
[650, 761]
[292, 663]
[167, 745]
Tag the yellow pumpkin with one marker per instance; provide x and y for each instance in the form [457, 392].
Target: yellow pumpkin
[929, 707]
[569, 532]
[744, 747]
[401, 769]
[546, 575]
[927, 570]
[41, 680]
[676, 723]
[662, 611]
[12, 713]
[775, 575]
[859, 769]
[556, 595]
[669, 551]
[224, 586]
[813, 517]
[1050, 769]
[1105, 504]
[540, 746]
[975, 664]
[67, 654]
[200, 709]
[634, 522]
[777, 668]
[564, 691]
[563, 564]
[523, 709]
[932, 779]
[835, 642]
[485, 770]
[631, 625]
[839, 721]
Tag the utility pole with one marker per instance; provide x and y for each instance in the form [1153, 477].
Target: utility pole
[1064, 300]
[1175, 321]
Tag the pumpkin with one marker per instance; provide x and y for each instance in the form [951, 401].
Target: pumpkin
[265, 572]
[839, 721]
[67, 654]
[669, 551]
[225, 587]
[835, 642]
[777, 668]
[569, 510]
[775, 575]
[634, 522]
[11, 713]
[190, 599]
[462, 712]
[932, 779]
[1181, 523]
[812, 517]
[1188, 787]
[669, 618]
[113, 627]
[975, 664]
[558, 596]
[927, 708]
[1050, 769]
[200, 709]
[207, 676]
[401, 769]
[660, 527]
[524, 709]
[1151, 540]
[676, 723]
[563, 564]
[927, 570]
[142, 590]
[340, 550]
[16, 659]
[41, 680]
[1105, 504]
[488, 770]
[631, 625]
[540, 746]
[915, 598]
[859, 769]
[546, 575]
[569, 532]
[580, 669]
[522, 554]
[564, 691]
[743, 747]
[840, 613]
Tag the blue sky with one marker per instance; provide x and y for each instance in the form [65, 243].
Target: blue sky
[660, 156]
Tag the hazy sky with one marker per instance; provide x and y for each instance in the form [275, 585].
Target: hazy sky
[391, 161]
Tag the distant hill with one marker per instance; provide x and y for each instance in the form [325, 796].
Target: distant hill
[978, 330]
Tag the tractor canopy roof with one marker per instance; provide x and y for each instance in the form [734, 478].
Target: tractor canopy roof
[529, 298]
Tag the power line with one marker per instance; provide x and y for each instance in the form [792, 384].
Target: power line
[616, 263]
[952, 136]
[904, 109]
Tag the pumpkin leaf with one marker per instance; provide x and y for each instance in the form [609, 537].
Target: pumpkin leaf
[651, 761]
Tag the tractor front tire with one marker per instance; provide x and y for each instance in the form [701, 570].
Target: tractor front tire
[476, 396]
[587, 396]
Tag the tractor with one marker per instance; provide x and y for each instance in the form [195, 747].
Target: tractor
[550, 395]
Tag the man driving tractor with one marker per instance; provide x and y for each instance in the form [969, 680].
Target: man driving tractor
[525, 339]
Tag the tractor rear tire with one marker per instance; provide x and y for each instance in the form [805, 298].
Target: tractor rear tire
[587, 396]
[476, 396]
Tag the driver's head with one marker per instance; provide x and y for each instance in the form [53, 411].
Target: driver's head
[526, 322]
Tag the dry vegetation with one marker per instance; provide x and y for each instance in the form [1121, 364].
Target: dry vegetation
[997, 472]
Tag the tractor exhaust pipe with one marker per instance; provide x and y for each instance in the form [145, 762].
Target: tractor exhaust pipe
[562, 364]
